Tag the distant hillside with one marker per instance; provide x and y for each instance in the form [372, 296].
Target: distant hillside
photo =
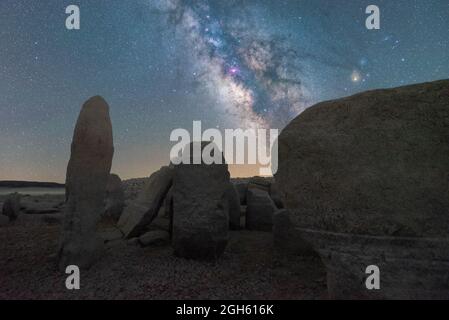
[28, 184]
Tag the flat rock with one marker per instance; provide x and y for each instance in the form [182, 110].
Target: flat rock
[140, 213]
[155, 237]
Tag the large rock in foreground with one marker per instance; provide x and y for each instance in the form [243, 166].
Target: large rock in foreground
[200, 210]
[366, 178]
[86, 180]
[140, 213]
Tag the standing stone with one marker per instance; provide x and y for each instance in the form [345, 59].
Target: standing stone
[11, 206]
[200, 208]
[140, 213]
[234, 207]
[259, 211]
[87, 176]
[115, 197]
[366, 180]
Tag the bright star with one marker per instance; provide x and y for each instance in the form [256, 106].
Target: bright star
[356, 76]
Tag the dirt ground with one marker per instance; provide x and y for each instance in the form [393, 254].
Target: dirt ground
[249, 269]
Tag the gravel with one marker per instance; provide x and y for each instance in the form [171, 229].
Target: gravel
[248, 269]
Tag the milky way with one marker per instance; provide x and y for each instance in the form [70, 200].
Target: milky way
[257, 77]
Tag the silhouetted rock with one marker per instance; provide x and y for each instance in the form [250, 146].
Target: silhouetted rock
[139, 214]
[259, 211]
[11, 206]
[200, 208]
[87, 176]
[366, 179]
[115, 197]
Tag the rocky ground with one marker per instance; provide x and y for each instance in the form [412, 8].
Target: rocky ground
[249, 269]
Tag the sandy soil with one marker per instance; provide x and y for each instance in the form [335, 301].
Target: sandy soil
[249, 269]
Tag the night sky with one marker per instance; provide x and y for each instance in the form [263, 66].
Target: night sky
[162, 64]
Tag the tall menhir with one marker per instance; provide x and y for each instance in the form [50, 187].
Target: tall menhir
[86, 179]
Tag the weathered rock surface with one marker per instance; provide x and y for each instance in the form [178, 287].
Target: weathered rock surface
[365, 177]
[168, 204]
[287, 238]
[234, 207]
[154, 238]
[200, 209]
[259, 211]
[168, 210]
[139, 214]
[11, 206]
[87, 176]
[115, 197]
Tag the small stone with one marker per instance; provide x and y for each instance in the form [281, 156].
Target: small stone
[11, 206]
[155, 238]
[133, 241]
